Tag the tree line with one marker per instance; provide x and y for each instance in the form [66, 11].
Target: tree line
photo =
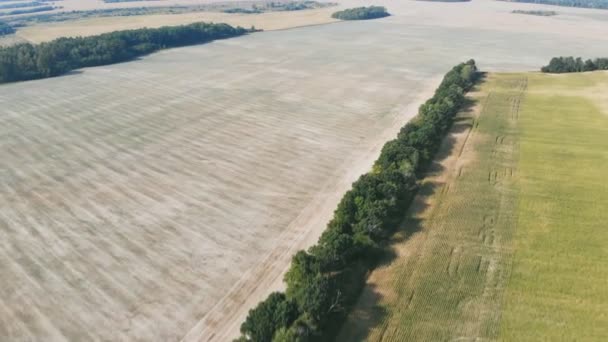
[599, 4]
[29, 10]
[5, 29]
[324, 281]
[559, 65]
[21, 4]
[361, 13]
[27, 62]
[540, 13]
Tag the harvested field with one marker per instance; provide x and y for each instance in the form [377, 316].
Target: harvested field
[483, 15]
[505, 242]
[160, 199]
[87, 27]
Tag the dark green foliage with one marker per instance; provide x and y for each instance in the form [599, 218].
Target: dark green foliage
[243, 10]
[539, 13]
[361, 13]
[325, 280]
[559, 65]
[6, 29]
[29, 10]
[302, 330]
[26, 61]
[600, 4]
[119, 1]
[269, 316]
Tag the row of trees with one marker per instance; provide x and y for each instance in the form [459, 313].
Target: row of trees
[361, 13]
[27, 61]
[21, 4]
[29, 10]
[600, 4]
[323, 282]
[540, 13]
[6, 29]
[560, 65]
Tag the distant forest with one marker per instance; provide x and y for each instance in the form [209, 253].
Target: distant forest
[446, 0]
[540, 13]
[29, 10]
[118, 1]
[27, 62]
[559, 65]
[6, 29]
[21, 4]
[361, 13]
[601, 4]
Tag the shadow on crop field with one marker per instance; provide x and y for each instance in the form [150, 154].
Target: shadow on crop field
[369, 311]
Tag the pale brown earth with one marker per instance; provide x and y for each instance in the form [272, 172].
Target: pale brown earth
[87, 27]
[160, 199]
[480, 14]
[306, 228]
[131, 206]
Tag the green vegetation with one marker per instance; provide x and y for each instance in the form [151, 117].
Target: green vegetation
[29, 10]
[6, 29]
[324, 281]
[278, 7]
[557, 290]
[598, 4]
[445, 0]
[27, 62]
[227, 7]
[540, 13]
[21, 4]
[118, 1]
[455, 245]
[559, 65]
[512, 246]
[361, 13]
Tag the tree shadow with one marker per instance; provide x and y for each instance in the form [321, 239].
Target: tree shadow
[72, 73]
[368, 311]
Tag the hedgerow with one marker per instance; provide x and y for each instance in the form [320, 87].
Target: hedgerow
[323, 282]
[559, 65]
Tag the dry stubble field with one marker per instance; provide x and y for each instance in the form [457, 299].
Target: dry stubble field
[162, 198]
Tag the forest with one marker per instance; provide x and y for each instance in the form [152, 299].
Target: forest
[600, 4]
[361, 13]
[559, 65]
[27, 62]
[325, 281]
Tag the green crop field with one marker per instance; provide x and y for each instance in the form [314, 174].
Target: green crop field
[506, 241]
[559, 284]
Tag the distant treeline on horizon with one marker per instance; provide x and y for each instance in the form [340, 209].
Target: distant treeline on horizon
[5, 29]
[598, 4]
[445, 0]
